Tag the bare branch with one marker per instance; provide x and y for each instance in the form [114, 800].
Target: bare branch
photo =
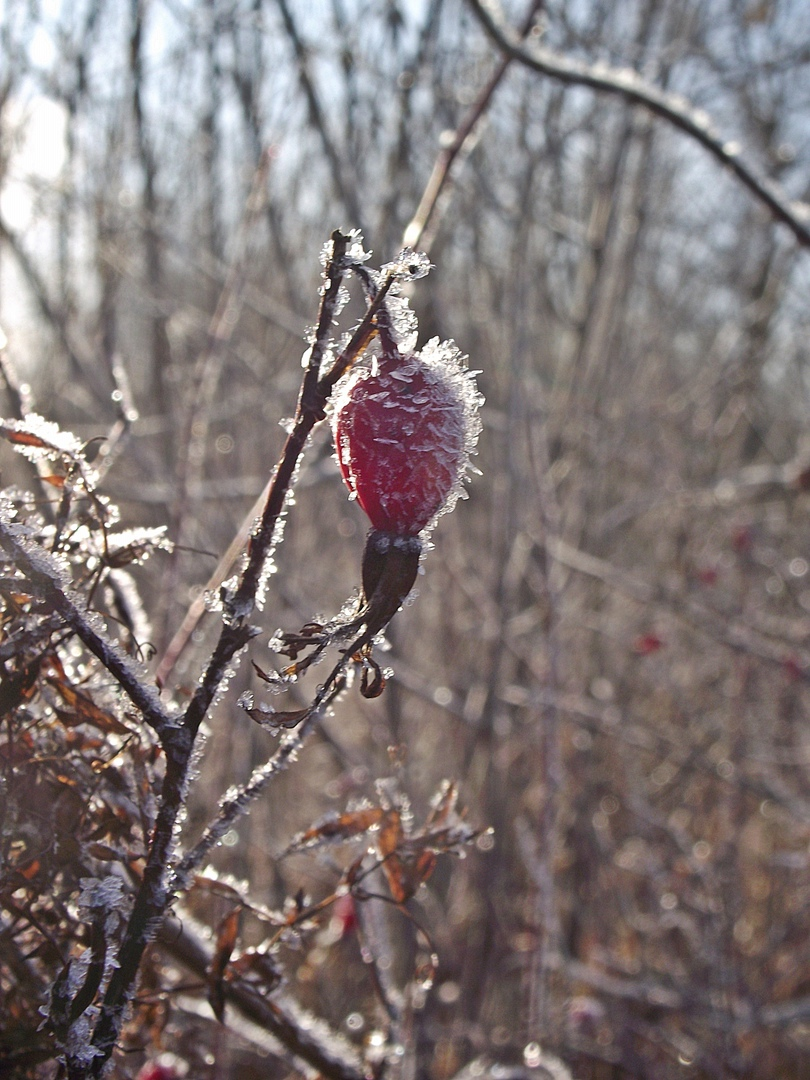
[673, 108]
[463, 138]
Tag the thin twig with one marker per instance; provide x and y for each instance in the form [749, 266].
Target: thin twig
[416, 233]
[315, 393]
[317, 117]
[155, 892]
[210, 364]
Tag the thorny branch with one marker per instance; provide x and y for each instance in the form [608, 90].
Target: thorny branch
[673, 108]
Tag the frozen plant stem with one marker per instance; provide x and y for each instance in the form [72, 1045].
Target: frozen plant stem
[177, 738]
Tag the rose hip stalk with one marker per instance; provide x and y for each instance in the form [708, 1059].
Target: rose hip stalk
[404, 431]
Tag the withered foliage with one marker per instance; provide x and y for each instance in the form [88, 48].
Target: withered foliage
[79, 769]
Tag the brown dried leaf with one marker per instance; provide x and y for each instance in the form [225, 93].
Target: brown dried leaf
[406, 873]
[391, 834]
[218, 887]
[124, 556]
[372, 680]
[443, 804]
[19, 686]
[271, 720]
[103, 852]
[337, 829]
[24, 438]
[272, 679]
[261, 966]
[84, 709]
[227, 933]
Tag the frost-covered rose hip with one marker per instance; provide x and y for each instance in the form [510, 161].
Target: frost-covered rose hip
[403, 434]
[404, 431]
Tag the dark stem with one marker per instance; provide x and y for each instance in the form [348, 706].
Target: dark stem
[150, 905]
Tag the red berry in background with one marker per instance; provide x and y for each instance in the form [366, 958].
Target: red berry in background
[344, 916]
[646, 644]
[708, 575]
[404, 431]
[792, 667]
[742, 539]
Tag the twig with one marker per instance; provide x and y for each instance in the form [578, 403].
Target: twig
[234, 805]
[416, 235]
[315, 392]
[196, 609]
[673, 108]
[317, 117]
[209, 366]
[18, 391]
[21, 405]
[549, 735]
[82, 365]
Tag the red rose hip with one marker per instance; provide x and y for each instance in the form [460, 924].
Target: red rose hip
[400, 435]
[403, 433]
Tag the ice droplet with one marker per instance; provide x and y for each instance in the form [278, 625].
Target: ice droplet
[532, 1055]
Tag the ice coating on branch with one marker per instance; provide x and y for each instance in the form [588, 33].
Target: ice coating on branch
[138, 543]
[409, 265]
[404, 433]
[102, 893]
[403, 323]
[55, 567]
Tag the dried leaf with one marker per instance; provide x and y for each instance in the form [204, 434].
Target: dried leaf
[273, 679]
[390, 835]
[19, 686]
[218, 887]
[24, 438]
[337, 829]
[85, 710]
[259, 964]
[30, 870]
[36, 437]
[103, 852]
[373, 686]
[271, 720]
[227, 933]
[443, 804]
[124, 556]
[406, 874]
